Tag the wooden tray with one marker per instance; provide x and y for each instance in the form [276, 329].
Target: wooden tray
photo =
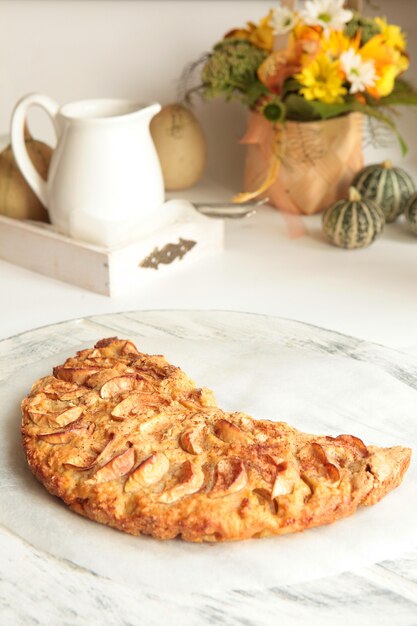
[112, 272]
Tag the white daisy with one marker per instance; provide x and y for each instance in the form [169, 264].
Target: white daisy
[359, 73]
[326, 13]
[283, 20]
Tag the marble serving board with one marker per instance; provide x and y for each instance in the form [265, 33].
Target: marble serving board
[276, 369]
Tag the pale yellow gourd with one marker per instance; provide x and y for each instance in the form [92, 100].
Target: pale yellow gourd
[16, 197]
[181, 146]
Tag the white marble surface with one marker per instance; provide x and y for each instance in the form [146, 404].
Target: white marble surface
[36, 588]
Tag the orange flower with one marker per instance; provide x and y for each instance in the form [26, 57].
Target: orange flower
[309, 41]
[261, 35]
[360, 98]
[279, 66]
[307, 33]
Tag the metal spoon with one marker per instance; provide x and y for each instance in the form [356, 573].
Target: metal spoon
[229, 209]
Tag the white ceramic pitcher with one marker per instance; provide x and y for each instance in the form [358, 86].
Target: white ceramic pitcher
[105, 183]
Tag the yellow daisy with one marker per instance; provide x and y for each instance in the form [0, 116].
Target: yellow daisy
[337, 43]
[322, 80]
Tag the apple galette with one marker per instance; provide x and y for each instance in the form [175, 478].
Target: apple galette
[126, 439]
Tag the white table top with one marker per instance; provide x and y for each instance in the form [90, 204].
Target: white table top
[368, 293]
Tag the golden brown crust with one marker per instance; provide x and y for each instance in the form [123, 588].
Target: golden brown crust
[126, 439]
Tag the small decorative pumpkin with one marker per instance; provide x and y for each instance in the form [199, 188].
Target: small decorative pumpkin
[354, 222]
[388, 186]
[16, 197]
[181, 146]
[410, 212]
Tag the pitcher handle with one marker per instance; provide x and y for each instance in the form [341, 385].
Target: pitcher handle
[17, 132]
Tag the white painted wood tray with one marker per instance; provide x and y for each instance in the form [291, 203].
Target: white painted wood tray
[316, 402]
[111, 272]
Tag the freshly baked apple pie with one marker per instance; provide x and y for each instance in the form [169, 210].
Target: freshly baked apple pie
[126, 439]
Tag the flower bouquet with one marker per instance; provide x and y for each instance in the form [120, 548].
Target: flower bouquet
[308, 77]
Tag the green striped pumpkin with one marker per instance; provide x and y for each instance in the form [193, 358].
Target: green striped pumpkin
[410, 212]
[388, 186]
[354, 222]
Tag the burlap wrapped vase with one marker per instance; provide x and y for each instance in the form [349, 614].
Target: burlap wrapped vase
[302, 167]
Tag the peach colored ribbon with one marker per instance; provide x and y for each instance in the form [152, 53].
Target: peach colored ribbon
[269, 138]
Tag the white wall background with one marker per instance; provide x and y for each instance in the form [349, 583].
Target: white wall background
[72, 49]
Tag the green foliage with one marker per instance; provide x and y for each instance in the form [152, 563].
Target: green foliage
[254, 92]
[274, 109]
[402, 94]
[231, 71]
[300, 110]
[383, 117]
[366, 25]
[327, 111]
[291, 85]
